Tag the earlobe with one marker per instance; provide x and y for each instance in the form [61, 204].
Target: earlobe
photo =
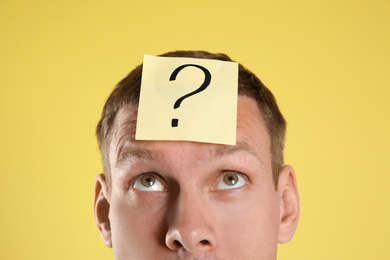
[289, 204]
[102, 209]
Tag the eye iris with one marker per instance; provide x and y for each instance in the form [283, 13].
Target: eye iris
[148, 180]
[230, 179]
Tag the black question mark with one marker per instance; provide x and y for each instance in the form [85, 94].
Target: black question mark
[204, 85]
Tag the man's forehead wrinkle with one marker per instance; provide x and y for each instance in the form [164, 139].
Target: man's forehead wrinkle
[127, 126]
[222, 150]
[125, 120]
[123, 131]
[121, 147]
[130, 151]
[122, 135]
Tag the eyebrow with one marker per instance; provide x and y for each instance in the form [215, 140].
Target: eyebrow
[129, 151]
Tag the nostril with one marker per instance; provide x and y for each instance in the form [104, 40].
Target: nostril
[178, 244]
[204, 242]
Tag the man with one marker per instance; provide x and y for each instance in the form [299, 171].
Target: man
[191, 200]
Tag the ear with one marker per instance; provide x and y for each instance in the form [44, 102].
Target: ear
[289, 204]
[102, 209]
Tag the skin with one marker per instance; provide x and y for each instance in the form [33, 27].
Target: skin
[193, 211]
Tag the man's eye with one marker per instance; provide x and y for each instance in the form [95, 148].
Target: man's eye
[230, 180]
[148, 182]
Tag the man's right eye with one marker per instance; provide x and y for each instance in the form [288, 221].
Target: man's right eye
[148, 182]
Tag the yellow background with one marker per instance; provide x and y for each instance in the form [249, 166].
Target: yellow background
[327, 62]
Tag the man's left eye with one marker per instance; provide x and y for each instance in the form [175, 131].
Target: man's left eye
[148, 182]
[230, 180]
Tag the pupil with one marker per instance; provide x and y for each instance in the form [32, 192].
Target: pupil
[230, 179]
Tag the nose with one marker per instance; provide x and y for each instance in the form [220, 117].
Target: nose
[191, 225]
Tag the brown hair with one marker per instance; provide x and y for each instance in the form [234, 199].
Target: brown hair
[126, 93]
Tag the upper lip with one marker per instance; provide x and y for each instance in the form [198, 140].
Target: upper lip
[197, 256]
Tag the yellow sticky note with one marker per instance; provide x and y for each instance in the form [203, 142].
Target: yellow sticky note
[188, 99]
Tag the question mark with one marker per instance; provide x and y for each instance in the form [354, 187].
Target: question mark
[204, 85]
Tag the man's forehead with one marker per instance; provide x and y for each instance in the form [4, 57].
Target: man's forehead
[249, 117]
[125, 128]
[250, 133]
[126, 118]
[125, 121]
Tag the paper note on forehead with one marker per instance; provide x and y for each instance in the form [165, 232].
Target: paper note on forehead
[188, 99]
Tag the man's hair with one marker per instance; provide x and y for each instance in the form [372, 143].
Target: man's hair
[127, 91]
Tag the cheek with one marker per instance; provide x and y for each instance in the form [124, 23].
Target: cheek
[250, 228]
[135, 230]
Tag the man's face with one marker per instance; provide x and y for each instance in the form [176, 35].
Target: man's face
[188, 200]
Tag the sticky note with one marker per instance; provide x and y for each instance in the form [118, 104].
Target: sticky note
[188, 99]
